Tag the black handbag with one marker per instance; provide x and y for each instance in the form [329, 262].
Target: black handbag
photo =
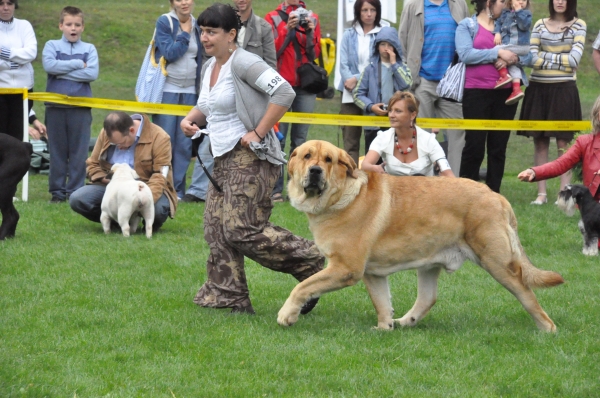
[313, 78]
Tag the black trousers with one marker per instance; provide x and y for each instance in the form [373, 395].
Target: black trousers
[11, 114]
[488, 105]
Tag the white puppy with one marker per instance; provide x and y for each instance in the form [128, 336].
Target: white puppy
[125, 200]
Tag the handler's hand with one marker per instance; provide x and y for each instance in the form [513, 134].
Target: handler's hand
[381, 168]
[248, 138]
[188, 127]
[527, 175]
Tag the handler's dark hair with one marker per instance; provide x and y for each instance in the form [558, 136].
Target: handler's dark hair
[480, 5]
[570, 12]
[220, 16]
[117, 121]
[358, 6]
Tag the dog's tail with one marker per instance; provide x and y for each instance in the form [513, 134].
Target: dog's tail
[531, 276]
[142, 199]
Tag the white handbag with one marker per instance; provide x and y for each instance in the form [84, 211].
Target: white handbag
[151, 80]
[452, 85]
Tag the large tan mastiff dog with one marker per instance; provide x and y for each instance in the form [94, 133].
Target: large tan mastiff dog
[371, 225]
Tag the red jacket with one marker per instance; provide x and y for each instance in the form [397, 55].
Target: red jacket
[586, 150]
[286, 63]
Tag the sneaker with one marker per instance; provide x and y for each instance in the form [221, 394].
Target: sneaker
[514, 97]
[189, 198]
[503, 81]
[56, 199]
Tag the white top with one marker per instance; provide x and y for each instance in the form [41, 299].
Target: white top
[218, 105]
[18, 48]
[429, 151]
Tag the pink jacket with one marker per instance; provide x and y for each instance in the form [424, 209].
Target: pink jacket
[586, 149]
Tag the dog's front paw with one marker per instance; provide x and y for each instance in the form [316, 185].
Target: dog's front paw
[288, 315]
[385, 326]
[590, 251]
[406, 320]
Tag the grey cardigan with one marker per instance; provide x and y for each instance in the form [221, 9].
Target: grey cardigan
[251, 101]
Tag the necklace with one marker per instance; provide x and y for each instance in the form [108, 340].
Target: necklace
[410, 147]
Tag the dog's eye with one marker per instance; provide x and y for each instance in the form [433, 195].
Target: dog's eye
[328, 159]
[307, 156]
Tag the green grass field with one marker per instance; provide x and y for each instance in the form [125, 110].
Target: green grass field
[88, 315]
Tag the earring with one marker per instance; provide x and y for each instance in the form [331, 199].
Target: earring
[489, 13]
[230, 49]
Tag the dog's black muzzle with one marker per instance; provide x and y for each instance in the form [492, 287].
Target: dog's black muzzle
[315, 181]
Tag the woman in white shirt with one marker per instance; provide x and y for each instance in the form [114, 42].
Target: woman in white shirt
[241, 98]
[18, 48]
[405, 148]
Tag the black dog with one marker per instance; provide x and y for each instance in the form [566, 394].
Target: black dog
[589, 225]
[15, 157]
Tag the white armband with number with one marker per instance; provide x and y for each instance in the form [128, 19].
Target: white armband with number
[269, 81]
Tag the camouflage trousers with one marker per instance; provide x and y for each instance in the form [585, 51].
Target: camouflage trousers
[236, 224]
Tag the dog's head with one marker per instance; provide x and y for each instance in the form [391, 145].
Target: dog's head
[571, 195]
[122, 171]
[319, 175]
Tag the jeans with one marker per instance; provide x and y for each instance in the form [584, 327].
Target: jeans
[69, 131]
[305, 103]
[487, 105]
[199, 185]
[87, 201]
[181, 145]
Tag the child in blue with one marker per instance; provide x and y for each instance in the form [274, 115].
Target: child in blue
[513, 33]
[71, 65]
[385, 75]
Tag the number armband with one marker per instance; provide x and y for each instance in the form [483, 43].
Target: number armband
[269, 81]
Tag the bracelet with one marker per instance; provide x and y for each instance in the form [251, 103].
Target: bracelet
[258, 135]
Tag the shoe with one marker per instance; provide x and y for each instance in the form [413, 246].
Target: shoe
[309, 305]
[243, 310]
[503, 81]
[189, 198]
[538, 201]
[514, 97]
[277, 198]
[56, 199]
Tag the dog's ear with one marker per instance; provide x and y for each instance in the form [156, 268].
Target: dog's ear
[347, 161]
[134, 175]
[292, 161]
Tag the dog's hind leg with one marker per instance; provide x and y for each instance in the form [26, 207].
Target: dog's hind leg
[590, 242]
[510, 275]
[105, 221]
[330, 279]
[10, 219]
[124, 217]
[426, 296]
[379, 291]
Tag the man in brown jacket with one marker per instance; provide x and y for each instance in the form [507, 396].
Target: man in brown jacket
[146, 148]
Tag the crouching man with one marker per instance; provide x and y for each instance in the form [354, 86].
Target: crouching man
[146, 148]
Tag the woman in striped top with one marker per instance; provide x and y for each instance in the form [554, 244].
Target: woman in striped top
[556, 45]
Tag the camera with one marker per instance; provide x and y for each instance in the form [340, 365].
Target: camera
[303, 21]
[384, 107]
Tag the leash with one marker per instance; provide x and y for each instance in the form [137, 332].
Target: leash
[196, 141]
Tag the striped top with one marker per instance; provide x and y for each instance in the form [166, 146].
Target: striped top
[556, 56]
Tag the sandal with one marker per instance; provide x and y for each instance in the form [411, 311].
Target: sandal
[277, 198]
[538, 201]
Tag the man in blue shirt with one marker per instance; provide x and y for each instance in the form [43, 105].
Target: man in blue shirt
[427, 37]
